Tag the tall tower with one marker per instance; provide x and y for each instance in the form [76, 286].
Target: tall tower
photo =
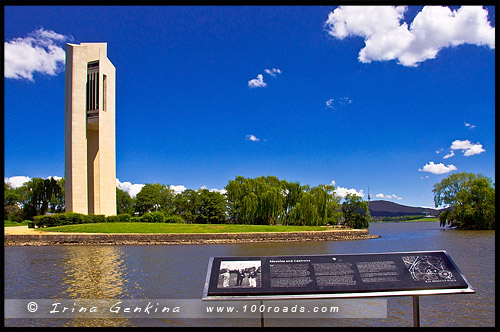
[90, 159]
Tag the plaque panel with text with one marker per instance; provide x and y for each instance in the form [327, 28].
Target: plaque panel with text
[361, 274]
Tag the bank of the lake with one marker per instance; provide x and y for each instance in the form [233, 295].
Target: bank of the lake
[179, 272]
[180, 234]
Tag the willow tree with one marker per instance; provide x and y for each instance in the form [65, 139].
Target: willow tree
[257, 201]
[271, 206]
[292, 192]
[470, 199]
[326, 203]
[270, 201]
[305, 211]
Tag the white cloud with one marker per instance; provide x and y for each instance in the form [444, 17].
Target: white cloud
[432, 29]
[333, 103]
[39, 52]
[16, 181]
[437, 168]
[272, 72]
[329, 103]
[128, 187]
[257, 82]
[393, 196]
[467, 147]
[252, 138]
[344, 101]
[449, 155]
[342, 192]
[475, 149]
[131, 189]
[134, 189]
[177, 189]
[222, 191]
[471, 126]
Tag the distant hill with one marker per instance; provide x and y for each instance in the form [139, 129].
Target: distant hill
[390, 209]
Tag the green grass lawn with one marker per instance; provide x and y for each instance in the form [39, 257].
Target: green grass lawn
[139, 227]
[8, 223]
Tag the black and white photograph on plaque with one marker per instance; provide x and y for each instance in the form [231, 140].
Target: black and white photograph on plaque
[242, 274]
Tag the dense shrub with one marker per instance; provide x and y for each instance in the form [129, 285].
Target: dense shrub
[68, 218]
[135, 219]
[95, 218]
[175, 219]
[124, 217]
[112, 219]
[43, 221]
[155, 216]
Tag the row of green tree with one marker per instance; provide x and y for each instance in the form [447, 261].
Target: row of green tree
[270, 201]
[263, 201]
[397, 218]
[258, 201]
[470, 199]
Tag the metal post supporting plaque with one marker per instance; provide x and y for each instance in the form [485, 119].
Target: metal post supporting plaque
[416, 311]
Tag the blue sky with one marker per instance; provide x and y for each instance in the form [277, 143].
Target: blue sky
[390, 99]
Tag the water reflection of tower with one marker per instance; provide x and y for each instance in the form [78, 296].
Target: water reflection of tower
[94, 272]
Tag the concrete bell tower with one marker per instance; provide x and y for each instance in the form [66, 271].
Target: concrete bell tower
[90, 155]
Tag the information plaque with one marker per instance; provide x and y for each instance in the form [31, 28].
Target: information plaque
[334, 276]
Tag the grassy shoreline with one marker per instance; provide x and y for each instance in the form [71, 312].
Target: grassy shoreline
[414, 220]
[164, 228]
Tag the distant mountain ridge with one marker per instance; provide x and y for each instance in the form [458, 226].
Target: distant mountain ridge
[382, 208]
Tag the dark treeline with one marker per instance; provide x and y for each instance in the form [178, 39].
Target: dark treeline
[261, 201]
[469, 200]
[398, 218]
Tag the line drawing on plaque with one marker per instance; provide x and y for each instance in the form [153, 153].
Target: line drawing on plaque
[428, 269]
[240, 274]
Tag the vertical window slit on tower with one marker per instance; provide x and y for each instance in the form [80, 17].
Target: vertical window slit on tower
[97, 91]
[93, 91]
[92, 100]
[104, 92]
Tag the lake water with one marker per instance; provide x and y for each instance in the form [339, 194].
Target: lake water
[179, 272]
